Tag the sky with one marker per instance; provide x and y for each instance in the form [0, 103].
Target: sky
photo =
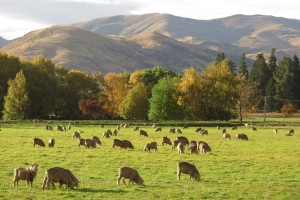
[18, 17]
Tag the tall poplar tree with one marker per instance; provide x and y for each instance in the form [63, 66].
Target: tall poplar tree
[243, 71]
[270, 89]
[16, 101]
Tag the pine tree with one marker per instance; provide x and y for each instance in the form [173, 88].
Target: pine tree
[297, 80]
[220, 57]
[270, 89]
[16, 101]
[243, 67]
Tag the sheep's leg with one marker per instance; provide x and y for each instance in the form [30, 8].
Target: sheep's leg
[123, 180]
[118, 181]
[44, 183]
[178, 175]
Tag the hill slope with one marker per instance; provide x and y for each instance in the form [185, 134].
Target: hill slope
[3, 42]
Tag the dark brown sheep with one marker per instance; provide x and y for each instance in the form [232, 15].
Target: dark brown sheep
[159, 129]
[179, 131]
[226, 136]
[97, 140]
[122, 144]
[204, 132]
[180, 148]
[203, 147]
[115, 132]
[242, 136]
[172, 130]
[81, 141]
[59, 128]
[131, 174]
[185, 126]
[106, 134]
[90, 143]
[51, 142]
[224, 130]
[76, 135]
[253, 128]
[187, 168]
[61, 176]
[234, 128]
[175, 143]
[149, 146]
[291, 132]
[28, 174]
[144, 133]
[136, 128]
[166, 140]
[218, 127]
[193, 147]
[198, 130]
[39, 142]
[183, 139]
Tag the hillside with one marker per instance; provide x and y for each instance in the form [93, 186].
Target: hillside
[3, 42]
[81, 49]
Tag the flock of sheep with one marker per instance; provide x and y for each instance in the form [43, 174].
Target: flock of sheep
[66, 177]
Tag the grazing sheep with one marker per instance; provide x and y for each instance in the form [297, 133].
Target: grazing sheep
[101, 126]
[198, 130]
[97, 140]
[126, 126]
[118, 128]
[185, 126]
[51, 142]
[149, 146]
[193, 147]
[39, 142]
[242, 136]
[180, 148]
[28, 174]
[115, 132]
[144, 133]
[183, 139]
[158, 129]
[166, 140]
[187, 168]
[76, 135]
[179, 131]
[275, 130]
[291, 132]
[131, 174]
[122, 144]
[224, 130]
[154, 126]
[253, 128]
[218, 127]
[175, 143]
[204, 132]
[172, 130]
[193, 142]
[61, 176]
[48, 128]
[59, 128]
[226, 136]
[106, 135]
[90, 143]
[234, 128]
[80, 131]
[81, 141]
[68, 127]
[108, 131]
[136, 128]
[203, 147]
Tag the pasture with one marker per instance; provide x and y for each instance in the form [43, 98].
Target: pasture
[265, 167]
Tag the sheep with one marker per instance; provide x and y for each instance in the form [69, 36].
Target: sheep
[80, 131]
[242, 136]
[39, 142]
[275, 130]
[187, 168]
[180, 148]
[118, 128]
[69, 127]
[291, 132]
[48, 128]
[158, 129]
[179, 131]
[185, 126]
[81, 141]
[131, 174]
[204, 132]
[166, 140]
[108, 131]
[28, 174]
[234, 128]
[203, 147]
[175, 143]
[51, 142]
[253, 128]
[97, 140]
[172, 130]
[115, 132]
[149, 146]
[144, 133]
[183, 139]
[59, 128]
[90, 143]
[154, 126]
[193, 147]
[60, 175]
[106, 135]
[226, 136]
[122, 144]
[136, 128]
[218, 127]
[101, 126]
[224, 131]
[76, 135]
[198, 130]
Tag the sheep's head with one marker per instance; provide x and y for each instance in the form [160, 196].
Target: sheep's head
[33, 167]
[197, 176]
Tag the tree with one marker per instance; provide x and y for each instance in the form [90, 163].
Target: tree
[16, 100]
[91, 108]
[243, 67]
[220, 57]
[287, 110]
[270, 89]
[163, 102]
[135, 105]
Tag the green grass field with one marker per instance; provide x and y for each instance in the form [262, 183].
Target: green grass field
[265, 167]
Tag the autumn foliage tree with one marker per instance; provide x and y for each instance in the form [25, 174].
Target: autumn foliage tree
[91, 108]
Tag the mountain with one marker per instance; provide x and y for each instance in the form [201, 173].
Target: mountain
[3, 42]
[73, 47]
[252, 33]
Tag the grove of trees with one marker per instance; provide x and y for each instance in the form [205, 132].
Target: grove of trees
[220, 91]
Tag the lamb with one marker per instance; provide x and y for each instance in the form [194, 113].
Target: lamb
[203, 147]
[131, 174]
[144, 133]
[76, 135]
[187, 168]
[122, 144]
[39, 142]
[179, 131]
[226, 136]
[172, 130]
[184, 140]
[28, 174]
[166, 140]
[81, 141]
[275, 130]
[90, 143]
[51, 142]
[175, 143]
[242, 136]
[60, 175]
[97, 140]
[149, 146]
[180, 148]
[158, 129]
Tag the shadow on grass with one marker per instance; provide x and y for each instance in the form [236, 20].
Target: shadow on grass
[93, 190]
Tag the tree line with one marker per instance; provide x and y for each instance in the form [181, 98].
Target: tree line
[220, 91]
